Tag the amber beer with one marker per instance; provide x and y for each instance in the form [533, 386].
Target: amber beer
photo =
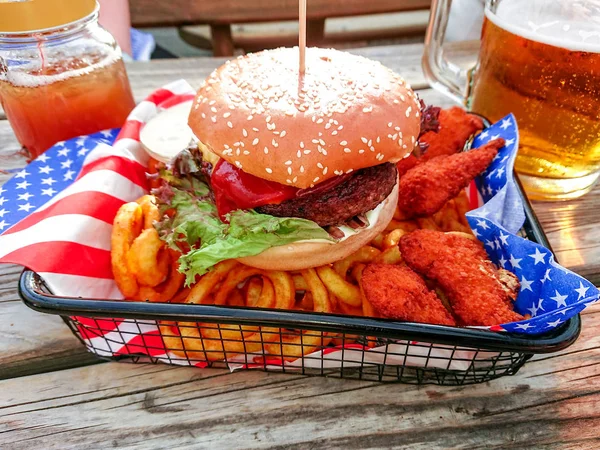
[544, 66]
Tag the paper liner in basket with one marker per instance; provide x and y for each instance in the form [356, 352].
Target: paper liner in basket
[56, 218]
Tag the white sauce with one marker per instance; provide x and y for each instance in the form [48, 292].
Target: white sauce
[372, 217]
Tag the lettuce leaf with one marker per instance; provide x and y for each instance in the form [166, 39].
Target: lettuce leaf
[194, 227]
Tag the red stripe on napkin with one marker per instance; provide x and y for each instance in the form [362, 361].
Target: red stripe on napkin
[80, 203]
[131, 170]
[68, 258]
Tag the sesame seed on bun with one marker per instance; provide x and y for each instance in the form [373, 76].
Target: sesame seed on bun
[346, 113]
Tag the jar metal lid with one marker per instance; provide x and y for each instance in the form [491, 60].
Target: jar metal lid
[23, 16]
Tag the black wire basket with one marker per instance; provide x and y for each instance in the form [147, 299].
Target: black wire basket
[297, 341]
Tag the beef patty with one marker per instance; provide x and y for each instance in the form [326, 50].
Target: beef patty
[361, 192]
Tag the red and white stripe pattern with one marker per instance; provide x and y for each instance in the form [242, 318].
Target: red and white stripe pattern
[67, 239]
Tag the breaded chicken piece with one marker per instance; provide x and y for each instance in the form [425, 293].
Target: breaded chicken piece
[399, 293]
[405, 164]
[445, 133]
[456, 126]
[426, 188]
[478, 292]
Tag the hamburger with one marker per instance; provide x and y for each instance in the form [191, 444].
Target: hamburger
[312, 155]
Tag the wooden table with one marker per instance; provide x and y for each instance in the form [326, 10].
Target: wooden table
[55, 395]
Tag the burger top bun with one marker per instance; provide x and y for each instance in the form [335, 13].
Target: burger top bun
[346, 113]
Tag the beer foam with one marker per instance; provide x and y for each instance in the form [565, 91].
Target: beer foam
[22, 79]
[570, 24]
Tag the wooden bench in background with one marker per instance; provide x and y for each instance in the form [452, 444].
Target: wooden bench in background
[220, 15]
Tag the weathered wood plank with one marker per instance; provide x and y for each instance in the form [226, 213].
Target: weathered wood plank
[31, 342]
[551, 403]
[10, 156]
[147, 13]
[572, 228]
[339, 32]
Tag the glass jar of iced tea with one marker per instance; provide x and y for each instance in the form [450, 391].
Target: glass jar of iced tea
[61, 74]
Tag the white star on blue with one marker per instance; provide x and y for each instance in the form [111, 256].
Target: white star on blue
[46, 170]
[582, 290]
[549, 296]
[506, 123]
[23, 185]
[45, 177]
[526, 284]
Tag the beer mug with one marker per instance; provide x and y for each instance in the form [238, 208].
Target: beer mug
[540, 60]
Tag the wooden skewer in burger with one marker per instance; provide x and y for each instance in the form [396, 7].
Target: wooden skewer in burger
[302, 36]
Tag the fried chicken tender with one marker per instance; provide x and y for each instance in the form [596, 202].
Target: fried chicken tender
[456, 126]
[405, 164]
[478, 292]
[399, 293]
[453, 127]
[426, 188]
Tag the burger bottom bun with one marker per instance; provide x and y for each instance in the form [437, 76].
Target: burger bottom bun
[306, 254]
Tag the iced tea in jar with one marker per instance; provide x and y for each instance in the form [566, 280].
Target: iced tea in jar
[61, 74]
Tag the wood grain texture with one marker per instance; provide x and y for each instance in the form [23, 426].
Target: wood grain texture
[337, 34]
[150, 13]
[574, 232]
[551, 403]
[31, 342]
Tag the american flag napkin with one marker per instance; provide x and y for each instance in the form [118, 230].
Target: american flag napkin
[550, 294]
[56, 214]
[56, 217]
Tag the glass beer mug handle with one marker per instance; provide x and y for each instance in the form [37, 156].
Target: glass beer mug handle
[442, 74]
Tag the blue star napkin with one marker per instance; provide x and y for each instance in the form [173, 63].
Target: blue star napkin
[45, 177]
[550, 294]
